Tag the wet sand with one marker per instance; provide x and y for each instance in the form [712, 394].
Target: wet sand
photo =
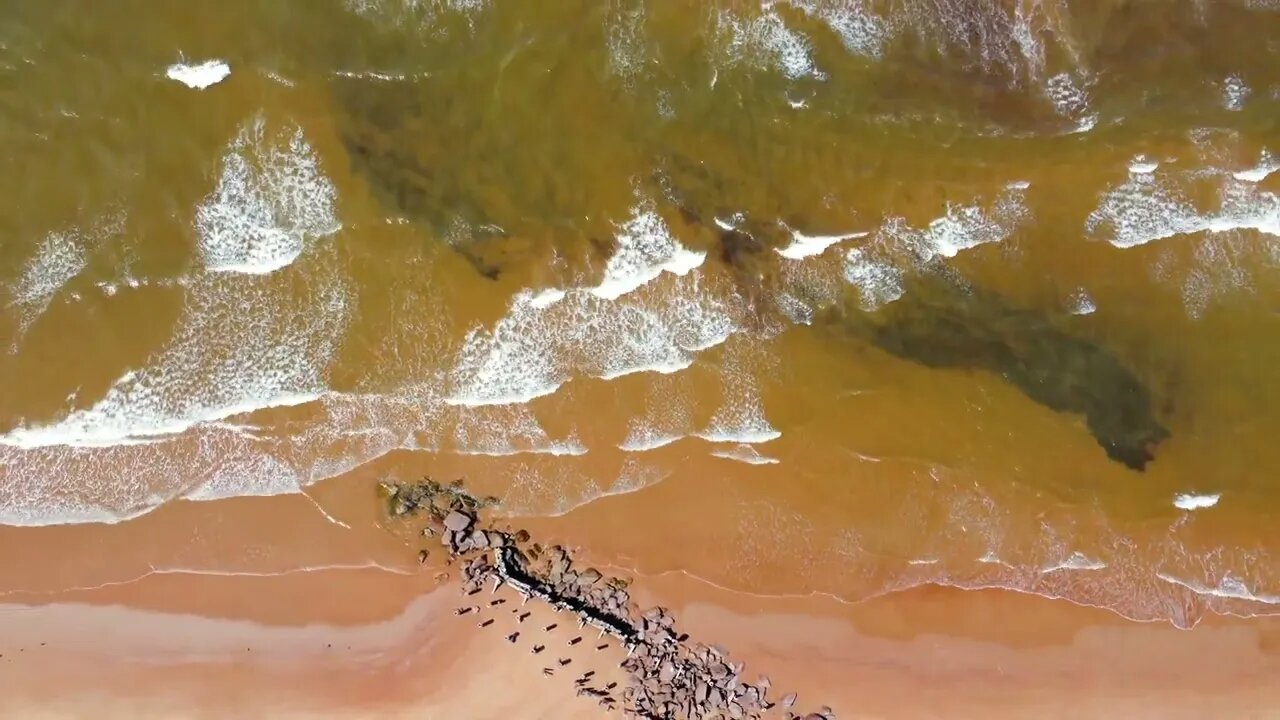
[391, 646]
[384, 640]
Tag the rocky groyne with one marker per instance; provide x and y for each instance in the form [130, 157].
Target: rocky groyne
[669, 676]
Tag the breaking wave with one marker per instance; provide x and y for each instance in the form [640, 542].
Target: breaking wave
[200, 76]
[629, 323]
[1153, 205]
[61, 257]
[270, 200]
[244, 342]
[744, 454]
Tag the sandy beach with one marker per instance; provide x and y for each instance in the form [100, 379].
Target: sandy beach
[927, 654]
[388, 642]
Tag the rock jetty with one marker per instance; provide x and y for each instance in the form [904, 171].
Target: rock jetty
[669, 677]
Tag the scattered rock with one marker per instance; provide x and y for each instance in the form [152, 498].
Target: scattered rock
[670, 678]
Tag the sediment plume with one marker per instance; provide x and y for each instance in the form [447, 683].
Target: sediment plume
[669, 676]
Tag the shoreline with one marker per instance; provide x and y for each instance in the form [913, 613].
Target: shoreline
[319, 619]
[952, 652]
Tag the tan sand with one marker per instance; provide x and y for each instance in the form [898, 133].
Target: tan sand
[363, 631]
[390, 645]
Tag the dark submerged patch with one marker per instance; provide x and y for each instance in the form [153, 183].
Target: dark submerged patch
[941, 322]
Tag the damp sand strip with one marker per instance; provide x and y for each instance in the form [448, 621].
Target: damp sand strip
[669, 676]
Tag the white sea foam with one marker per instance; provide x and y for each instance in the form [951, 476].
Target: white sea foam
[625, 28]
[1229, 587]
[961, 228]
[877, 282]
[1267, 164]
[876, 269]
[400, 12]
[58, 259]
[201, 76]
[545, 298]
[629, 324]
[754, 430]
[861, 31]
[803, 246]
[277, 78]
[271, 197]
[1143, 210]
[508, 430]
[1075, 561]
[261, 474]
[514, 363]
[105, 428]
[532, 351]
[645, 439]
[1081, 303]
[646, 249]
[1194, 501]
[765, 37]
[662, 367]
[241, 343]
[1244, 207]
[1086, 124]
[61, 256]
[796, 310]
[744, 454]
[1151, 206]
[74, 484]
[1234, 92]
[730, 224]
[1142, 165]
[666, 417]
[740, 418]
[1071, 101]
[1220, 263]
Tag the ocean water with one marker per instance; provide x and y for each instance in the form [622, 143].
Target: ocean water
[979, 294]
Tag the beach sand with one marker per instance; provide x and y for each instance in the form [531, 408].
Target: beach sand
[380, 642]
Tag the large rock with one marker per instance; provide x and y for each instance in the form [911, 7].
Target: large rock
[457, 521]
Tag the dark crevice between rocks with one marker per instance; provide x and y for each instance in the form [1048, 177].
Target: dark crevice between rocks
[669, 676]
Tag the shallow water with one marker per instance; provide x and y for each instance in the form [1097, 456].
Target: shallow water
[973, 293]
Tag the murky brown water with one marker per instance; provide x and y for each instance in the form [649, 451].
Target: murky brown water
[972, 293]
